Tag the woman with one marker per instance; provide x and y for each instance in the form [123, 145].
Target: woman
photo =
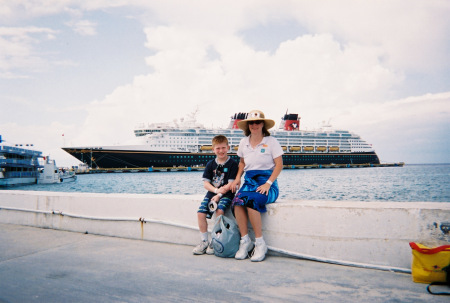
[261, 160]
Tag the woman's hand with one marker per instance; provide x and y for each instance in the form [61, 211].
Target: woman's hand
[263, 189]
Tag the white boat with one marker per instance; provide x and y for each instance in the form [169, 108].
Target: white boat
[50, 173]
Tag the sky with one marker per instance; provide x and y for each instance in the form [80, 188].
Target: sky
[81, 73]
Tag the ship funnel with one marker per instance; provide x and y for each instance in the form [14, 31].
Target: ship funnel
[290, 122]
[236, 118]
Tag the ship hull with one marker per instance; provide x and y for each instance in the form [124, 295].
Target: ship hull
[109, 158]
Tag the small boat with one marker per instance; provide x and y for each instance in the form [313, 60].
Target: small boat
[81, 168]
[50, 173]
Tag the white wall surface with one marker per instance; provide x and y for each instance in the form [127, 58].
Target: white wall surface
[375, 233]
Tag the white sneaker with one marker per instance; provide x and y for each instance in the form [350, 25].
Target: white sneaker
[259, 253]
[210, 249]
[244, 249]
[201, 248]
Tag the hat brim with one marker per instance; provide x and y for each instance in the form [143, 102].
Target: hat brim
[268, 123]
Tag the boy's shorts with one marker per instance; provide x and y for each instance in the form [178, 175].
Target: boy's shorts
[224, 202]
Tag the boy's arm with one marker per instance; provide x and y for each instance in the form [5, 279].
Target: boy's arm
[233, 172]
[209, 187]
[225, 188]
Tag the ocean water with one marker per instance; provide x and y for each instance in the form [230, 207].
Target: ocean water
[411, 183]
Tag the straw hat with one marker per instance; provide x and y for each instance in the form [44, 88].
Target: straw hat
[256, 115]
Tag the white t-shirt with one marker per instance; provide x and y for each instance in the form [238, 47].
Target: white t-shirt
[261, 157]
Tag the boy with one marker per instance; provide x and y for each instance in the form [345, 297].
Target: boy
[217, 178]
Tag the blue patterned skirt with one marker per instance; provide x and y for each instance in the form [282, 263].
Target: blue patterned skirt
[247, 195]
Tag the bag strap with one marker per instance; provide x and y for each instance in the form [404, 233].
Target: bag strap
[429, 251]
[438, 293]
[447, 270]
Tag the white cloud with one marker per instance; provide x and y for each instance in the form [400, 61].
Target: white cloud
[413, 34]
[83, 27]
[413, 129]
[313, 75]
[17, 50]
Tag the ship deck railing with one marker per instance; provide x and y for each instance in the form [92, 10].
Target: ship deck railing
[201, 168]
[20, 162]
[19, 150]
[23, 174]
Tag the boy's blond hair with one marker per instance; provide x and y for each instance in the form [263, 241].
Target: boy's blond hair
[219, 139]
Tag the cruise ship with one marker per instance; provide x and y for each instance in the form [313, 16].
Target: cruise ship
[188, 143]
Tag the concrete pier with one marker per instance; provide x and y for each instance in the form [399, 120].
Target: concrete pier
[46, 265]
[368, 234]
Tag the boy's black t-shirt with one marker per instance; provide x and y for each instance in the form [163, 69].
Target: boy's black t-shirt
[220, 174]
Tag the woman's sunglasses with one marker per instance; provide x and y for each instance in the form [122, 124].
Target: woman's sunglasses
[255, 122]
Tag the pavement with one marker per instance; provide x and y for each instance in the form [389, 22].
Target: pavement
[44, 265]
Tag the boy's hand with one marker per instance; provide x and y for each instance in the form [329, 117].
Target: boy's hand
[216, 198]
[224, 189]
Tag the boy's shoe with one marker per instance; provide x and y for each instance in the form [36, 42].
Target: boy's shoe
[259, 253]
[201, 248]
[244, 249]
[210, 249]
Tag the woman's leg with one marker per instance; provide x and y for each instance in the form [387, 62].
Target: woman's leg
[260, 246]
[245, 244]
[255, 220]
[241, 219]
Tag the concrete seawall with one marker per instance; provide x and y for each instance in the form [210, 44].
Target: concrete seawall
[362, 233]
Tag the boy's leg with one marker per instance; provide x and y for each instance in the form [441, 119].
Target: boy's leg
[204, 243]
[203, 228]
[202, 224]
